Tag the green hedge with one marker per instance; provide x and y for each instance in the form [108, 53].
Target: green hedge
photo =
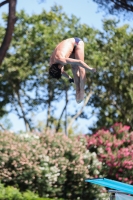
[53, 166]
[11, 193]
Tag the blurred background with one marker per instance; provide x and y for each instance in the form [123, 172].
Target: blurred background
[48, 143]
[86, 14]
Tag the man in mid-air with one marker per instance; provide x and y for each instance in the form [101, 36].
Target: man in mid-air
[70, 51]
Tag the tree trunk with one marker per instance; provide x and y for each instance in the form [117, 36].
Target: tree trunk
[48, 115]
[64, 109]
[59, 121]
[49, 108]
[27, 124]
[10, 28]
[66, 132]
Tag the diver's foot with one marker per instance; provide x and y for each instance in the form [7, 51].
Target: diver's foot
[79, 96]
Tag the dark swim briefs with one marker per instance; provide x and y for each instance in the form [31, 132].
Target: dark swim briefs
[77, 40]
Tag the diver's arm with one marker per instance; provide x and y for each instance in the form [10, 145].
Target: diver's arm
[76, 62]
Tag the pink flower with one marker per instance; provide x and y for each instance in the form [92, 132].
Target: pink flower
[117, 175]
[120, 170]
[125, 179]
[126, 127]
[115, 164]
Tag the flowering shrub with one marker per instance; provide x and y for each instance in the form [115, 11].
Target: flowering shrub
[75, 163]
[114, 148]
[19, 161]
[51, 165]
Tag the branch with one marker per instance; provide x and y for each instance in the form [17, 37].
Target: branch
[3, 3]
[58, 125]
[9, 31]
[123, 5]
[81, 110]
[66, 112]
[27, 124]
[2, 127]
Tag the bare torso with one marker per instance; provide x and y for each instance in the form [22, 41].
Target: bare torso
[62, 50]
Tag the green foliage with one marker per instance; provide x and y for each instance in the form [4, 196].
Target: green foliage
[24, 79]
[25, 69]
[119, 8]
[41, 126]
[112, 99]
[50, 165]
[30, 196]
[11, 193]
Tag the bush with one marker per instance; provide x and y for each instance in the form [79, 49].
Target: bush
[19, 161]
[73, 163]
[50, 165]
[11, 193]
[114, 148]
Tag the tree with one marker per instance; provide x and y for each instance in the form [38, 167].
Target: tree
[24, 69]
[11, 20]
[25, 83]
[10, 27]
[116, 6]
[113, 88]
[24, 79]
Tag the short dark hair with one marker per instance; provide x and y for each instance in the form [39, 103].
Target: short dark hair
[54, 71]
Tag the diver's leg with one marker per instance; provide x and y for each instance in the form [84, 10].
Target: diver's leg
[79, 54]
[76, 76]
[75, 71]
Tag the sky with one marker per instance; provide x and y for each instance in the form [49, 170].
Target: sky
[88, 13]
[85, 11]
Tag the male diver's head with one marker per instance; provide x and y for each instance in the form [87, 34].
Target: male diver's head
[55, 71]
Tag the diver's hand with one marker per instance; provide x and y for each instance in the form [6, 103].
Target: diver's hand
[71, 80]
[93, 70]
